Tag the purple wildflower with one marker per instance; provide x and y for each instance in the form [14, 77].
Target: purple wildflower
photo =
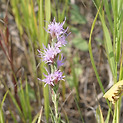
[49, 53]
[53, 78]
[60, 62]
[61, 41]
[56, 29]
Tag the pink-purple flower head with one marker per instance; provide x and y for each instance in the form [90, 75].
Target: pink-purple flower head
[61, 41]
[49, 54]
[56, 29]
[53, 78]
[60, 62]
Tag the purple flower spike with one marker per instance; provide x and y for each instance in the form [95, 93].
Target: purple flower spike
[49, 54]
[53, 78]
[56, 29]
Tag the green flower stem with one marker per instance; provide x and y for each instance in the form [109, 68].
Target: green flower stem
[118, 111]
[55, 102]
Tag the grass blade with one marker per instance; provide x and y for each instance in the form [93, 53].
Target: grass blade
[91, 55]
[39, 119]
[1, 112]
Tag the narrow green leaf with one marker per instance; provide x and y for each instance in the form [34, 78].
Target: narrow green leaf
[35, 118]
[1, 116]
[39, 119]
[23, 102]
[75, 82]
[48, 16]
[41, 24]
[45, 93]
[108, 45]
[91, 55]
[1, 105]
[79, 110]
[13, 116]
[99, 115]
[108, 13]
[16, 14]
[17, 106]
[108, 115]
[28, 103]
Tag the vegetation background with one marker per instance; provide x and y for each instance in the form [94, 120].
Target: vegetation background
[25, 99]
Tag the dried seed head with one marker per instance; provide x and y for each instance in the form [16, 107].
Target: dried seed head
[114, 93]
[115, 98]
[117, 92]
[120, 87]
[113, 102]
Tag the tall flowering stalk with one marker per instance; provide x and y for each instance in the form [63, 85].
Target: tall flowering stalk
[53, 57]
